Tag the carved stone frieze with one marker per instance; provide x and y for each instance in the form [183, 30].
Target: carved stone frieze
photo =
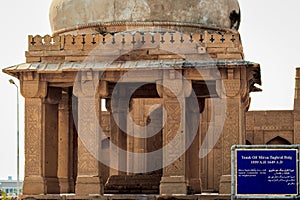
[231, 88]
[89, 178]
[33, 137]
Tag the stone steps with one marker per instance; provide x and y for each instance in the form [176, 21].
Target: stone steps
[133, 184]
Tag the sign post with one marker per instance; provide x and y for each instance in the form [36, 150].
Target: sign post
[265, 171]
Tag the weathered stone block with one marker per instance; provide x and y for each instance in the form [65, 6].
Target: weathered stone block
[89, 185]
[34, 186]
[225, 184]
[173, 185]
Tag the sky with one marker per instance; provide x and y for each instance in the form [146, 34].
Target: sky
[270, 32]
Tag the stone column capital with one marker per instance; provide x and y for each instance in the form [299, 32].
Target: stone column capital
[233, 84]
[88, 84]
[32, 87]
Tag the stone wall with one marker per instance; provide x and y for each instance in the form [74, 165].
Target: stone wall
[275, 127]
[270, 127]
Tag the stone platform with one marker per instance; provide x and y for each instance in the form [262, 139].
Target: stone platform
[214, 196]
[204, 196]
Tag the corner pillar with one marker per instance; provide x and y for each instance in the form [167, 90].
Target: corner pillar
[34, 180]
[40, 136]
[236, 93]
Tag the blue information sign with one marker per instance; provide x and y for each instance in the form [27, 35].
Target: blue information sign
[266, 172]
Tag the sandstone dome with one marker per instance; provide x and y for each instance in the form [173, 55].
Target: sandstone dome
[70, 15]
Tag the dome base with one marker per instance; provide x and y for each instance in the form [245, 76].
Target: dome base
[115, 27]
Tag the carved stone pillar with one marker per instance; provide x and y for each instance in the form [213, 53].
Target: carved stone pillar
[297, 108]
[34, 180]
[174, 177]
[88, 176]
[40, 136]
[65, 145]
[236, 93]
[174, 134]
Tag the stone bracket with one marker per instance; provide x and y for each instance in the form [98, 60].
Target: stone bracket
[32, 86]
[88, 84]
[174, 84]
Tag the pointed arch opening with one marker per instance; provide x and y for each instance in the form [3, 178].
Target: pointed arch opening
[278, 140]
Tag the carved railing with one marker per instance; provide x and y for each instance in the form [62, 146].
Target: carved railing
[140, 39]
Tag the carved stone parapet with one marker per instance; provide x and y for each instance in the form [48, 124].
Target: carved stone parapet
[210, 39]
[47, 42]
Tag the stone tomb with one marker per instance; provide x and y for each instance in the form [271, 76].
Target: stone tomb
[67, 79]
